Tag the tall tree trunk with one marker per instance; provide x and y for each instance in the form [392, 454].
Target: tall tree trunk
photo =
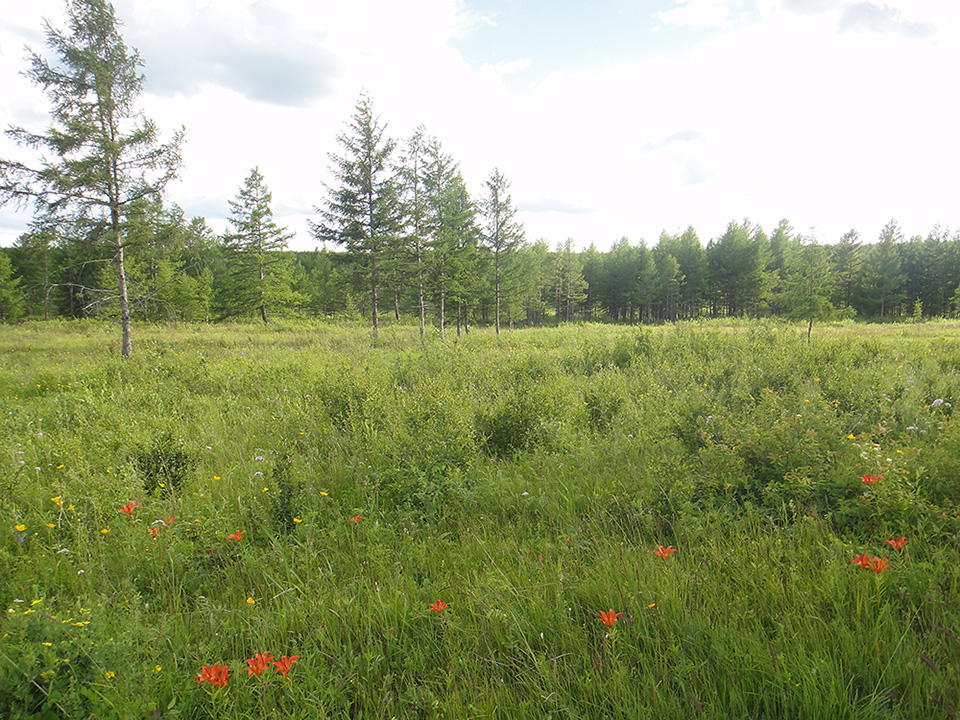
[496, 267]
[263, 304]
[126, 344]
[373, 294]
[423, 314]
[442, 318]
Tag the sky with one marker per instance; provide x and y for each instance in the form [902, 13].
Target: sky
[611, 119]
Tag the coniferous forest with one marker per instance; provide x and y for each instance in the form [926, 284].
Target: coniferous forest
[402, 236]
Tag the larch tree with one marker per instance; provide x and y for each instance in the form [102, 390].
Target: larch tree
[100, 155]
[362, 211]
[450, 230]
[255, 243]
[808, 283]
[414, 212]
[501, 233]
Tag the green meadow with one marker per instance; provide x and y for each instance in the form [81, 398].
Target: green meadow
[432, 530]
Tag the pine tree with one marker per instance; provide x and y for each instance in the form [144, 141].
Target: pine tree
[363, 211]
[258, 271]
[502, 233]
[103, 155]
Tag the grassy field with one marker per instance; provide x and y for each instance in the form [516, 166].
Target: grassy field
[433, 531]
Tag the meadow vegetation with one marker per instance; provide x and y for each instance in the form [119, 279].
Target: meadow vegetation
[433, 530]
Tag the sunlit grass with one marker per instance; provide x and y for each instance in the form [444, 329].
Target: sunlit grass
[524, 481]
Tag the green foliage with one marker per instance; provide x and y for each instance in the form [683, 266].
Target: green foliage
[165, 466]
[11, 292]
[525, 480]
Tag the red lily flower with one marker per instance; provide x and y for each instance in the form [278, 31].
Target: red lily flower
[236, 536]
[216, 675]
[153, 532]
[870, 479]
[878, 565]
[898, 544]
[664, 552]
[861, 560]
[128, 508]
[356, 518]
[610, 617]
[258, 663]
[438, 606]
[284, 664]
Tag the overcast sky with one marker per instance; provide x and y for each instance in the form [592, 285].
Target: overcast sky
[612, 118]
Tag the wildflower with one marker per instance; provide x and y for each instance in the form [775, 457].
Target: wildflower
[171, 519]
[20, 528]
[216, 675]
[297, 520]
[236, 536]
[109, 674]
[898, 543]
[356, 518]
[861, 560]
[610, 617]
[877, 565]
[284, 664]
[870, 479]
[51, 525]
[259, 458]
[251, 601]
[128, 508]
[851, 436]
[57, 499]
[652, 606]
[439, 606]
[258, 663]
[664, 552]
[105, 531]
[153, 532]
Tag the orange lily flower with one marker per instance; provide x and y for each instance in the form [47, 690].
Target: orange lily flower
[439, 606]
[898, 544]
[610, 617]
[153, 532]
[216, 675]
[236, 536]
[258, 663]
[356, 518]
[664, 552]
[861, 560]
[870, 479]
[878, 565]
[284, 664]
[128, 508]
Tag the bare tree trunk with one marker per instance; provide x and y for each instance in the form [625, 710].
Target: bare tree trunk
[263, 304]
[423, 315]
[373, 293]
[126, 345]
[496, 266]
[442, 318]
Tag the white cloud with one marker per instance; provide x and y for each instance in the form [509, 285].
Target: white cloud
[509, 68]
[782, 118]
[709, 13]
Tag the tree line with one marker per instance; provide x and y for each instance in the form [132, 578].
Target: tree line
[401, 235]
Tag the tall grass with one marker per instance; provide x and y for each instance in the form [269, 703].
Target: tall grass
[523, 480]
